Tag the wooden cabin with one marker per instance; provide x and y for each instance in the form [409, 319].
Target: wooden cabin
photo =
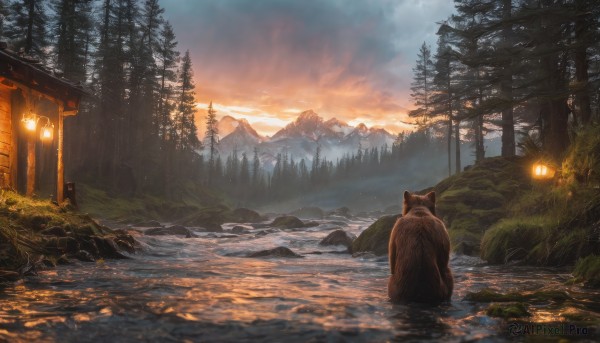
[33, 104]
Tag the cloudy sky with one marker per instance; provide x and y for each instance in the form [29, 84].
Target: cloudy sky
[268, 60]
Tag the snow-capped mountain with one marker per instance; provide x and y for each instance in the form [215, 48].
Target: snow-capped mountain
[237, 134]
[300, 138]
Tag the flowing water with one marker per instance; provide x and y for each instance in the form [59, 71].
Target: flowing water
[203, 290]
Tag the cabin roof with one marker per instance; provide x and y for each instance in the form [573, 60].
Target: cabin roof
[28, 72]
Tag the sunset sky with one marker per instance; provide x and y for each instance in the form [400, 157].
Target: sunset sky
[268, 60]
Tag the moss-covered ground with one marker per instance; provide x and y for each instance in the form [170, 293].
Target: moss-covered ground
[38, 233]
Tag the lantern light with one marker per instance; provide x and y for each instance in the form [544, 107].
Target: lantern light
[541, 170]
[30, 121]
[47, 132]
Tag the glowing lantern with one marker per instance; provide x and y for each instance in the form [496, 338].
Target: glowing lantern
[541, 170]
[30, 121]
[47, 132]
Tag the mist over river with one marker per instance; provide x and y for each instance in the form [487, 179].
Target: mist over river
[204, 289]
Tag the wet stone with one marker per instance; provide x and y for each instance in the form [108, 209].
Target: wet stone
[338, 237]
[176, 230]
[276, 252]
[241, 229]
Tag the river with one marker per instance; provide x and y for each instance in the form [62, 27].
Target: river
[202, 289]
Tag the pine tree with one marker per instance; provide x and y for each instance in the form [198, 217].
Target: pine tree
[73, 29]
[27, 28]
[422, 85]
[212, 138]
[184, 119]
[167, 58]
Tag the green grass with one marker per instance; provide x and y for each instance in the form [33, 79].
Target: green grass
[515, 239]
[587, 269]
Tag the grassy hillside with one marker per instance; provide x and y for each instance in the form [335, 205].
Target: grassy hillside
[495, 210]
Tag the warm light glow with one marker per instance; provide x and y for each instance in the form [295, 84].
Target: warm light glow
[542, 171]
[30, 123]
[46, 133]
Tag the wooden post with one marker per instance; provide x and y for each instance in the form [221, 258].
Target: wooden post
[30, 164]
[60, 172]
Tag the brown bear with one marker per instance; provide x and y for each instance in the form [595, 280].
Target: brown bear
[419, 251]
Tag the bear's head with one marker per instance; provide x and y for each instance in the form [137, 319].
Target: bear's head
[414, 200]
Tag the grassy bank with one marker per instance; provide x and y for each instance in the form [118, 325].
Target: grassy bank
[495, 210]
[36, 234]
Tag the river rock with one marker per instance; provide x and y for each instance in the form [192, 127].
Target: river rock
[241, 229]
[64, 245]
[175, 230]
[287, 222]
[342, 211]
[148, 223]
[276, 252]
[107, 248]
[244, 215]
[338, 237]
[376, 237]
[84, 256]
[309, 212]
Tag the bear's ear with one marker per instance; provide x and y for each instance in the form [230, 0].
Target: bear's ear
[431, 196]
[406, 195]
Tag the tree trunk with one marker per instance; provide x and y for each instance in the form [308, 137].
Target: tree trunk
[457, 145]
[582, 96]
[30, 164]
[508, 124]
[450, 144]
[30, 19]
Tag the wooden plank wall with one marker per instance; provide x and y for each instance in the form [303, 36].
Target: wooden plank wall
[5, 136]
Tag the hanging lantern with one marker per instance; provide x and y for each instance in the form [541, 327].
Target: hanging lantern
[47, 132]
[30, 121]
[542, 171]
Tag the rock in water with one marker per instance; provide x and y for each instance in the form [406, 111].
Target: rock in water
[309, 212]
[241, 229]
[338, 237]
[376, 237]
[287, 222]
[244, 215]
[172, 230]
[276, 252]
[342, 211]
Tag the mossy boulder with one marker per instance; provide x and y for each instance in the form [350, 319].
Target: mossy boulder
[245, 215]
[210, 218]
[588, 270]
[338, 237]
[470, 202]
[287, 222]
[508, 310]
[376, 237]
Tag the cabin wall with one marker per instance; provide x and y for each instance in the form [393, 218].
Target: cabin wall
[6, 138]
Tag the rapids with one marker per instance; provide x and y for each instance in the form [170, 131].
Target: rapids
[203, 289]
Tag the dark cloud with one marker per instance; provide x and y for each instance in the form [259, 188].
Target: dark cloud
[340, 57]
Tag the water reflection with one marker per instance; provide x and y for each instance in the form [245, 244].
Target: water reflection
[192, 289]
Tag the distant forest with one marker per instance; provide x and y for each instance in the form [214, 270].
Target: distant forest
[513, 66]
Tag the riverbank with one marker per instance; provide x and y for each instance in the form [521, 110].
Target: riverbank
[496, 210]
[38, 234]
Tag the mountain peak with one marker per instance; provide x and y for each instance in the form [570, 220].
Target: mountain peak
[362, 127]
[308, 116]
